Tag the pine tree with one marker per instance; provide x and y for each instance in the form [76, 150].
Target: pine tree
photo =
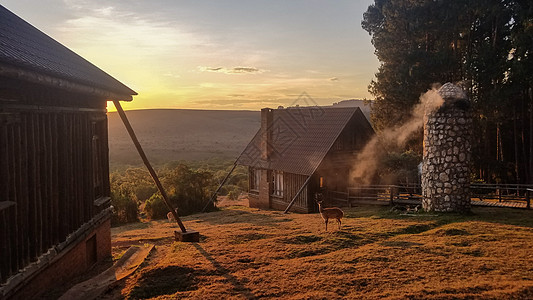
[485, 44]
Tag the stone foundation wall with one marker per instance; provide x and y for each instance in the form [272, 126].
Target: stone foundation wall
[446, 161]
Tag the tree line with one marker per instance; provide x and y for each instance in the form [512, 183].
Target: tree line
[484, 45]
[189, 186]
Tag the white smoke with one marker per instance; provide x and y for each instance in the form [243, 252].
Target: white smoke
[393, 138]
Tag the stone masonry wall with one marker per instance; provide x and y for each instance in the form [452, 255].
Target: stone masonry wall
[446, 161]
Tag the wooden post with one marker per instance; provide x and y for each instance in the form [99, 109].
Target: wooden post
[147, 163]
[528, 198]
[499, 194]
[348, 197]
[220, 186]
[391, 197]
[297, 194]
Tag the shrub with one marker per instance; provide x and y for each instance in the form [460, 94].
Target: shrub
[239, 178]
[155, 207]
[233, 195]
[125, 206]
[143, 191]
[136, 180]
[189, 189]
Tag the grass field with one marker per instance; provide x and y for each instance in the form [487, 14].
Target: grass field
[249, 254]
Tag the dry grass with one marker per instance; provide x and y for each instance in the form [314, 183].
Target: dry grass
[247, 253]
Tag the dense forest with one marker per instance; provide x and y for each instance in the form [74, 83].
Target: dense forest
[483, 45]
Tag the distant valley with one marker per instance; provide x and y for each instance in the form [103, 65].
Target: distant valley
[184, 134]
[178, 134]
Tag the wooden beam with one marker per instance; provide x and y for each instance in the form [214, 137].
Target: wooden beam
[297, 194]
[220, 186]
[147, 163]
[528, 198]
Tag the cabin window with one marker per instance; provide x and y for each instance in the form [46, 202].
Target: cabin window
[278, 183]
[255, 178]
[321, 181]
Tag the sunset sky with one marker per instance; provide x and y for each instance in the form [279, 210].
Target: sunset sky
[217, 54]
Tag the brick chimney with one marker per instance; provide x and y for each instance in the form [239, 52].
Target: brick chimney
[266, 133]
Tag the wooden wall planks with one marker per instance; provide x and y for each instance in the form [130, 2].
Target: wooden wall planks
[47, 170]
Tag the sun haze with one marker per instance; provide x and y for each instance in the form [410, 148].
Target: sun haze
[217, 54]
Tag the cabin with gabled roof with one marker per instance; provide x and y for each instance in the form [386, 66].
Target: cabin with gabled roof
[54, 171]
[299, 151]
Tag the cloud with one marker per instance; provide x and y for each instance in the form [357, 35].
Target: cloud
[104, 11]
[124, 30]
[242, 103]
[245, 70]
[208, 85]
[208, 69]
[235, 70]
[170, 74]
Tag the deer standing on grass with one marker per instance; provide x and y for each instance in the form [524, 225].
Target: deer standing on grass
[329, 213]
[170, 216]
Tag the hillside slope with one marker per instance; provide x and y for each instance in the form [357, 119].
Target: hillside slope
[178, 134]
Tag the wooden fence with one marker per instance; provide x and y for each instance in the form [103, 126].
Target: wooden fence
[502, 195]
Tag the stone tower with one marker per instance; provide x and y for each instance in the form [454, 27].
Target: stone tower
[446, 159]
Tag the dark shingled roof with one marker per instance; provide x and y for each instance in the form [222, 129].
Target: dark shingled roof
[24, 46]
[301, 138]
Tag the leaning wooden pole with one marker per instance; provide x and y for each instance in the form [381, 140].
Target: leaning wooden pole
[297, 194]
[147, 163]
[219, 187]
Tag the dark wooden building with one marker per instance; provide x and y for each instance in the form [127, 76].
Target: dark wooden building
[54, 177]
[308, 148]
